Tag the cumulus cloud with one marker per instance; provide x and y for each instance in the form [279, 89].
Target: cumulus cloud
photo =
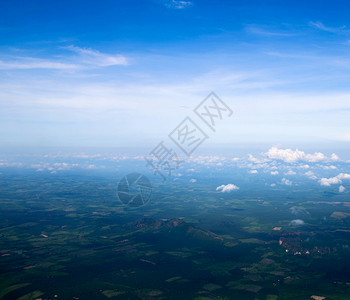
[193, 180]
[254, 159]
[341, 189]
[274, 173]
[290, 172]
[227, 188]
[334, 157]
[291, 156]
[286, 181]
[207, 160]
[334, 180]
[329, 167]
[329, 181]
[253, 172]
[297, 222]
[311, 175]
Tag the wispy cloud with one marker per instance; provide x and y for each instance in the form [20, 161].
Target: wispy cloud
[35, 63]
[295, 56]
[86, 58]
[320, 26]
[263, 31]
[95, 58]
[177, 4]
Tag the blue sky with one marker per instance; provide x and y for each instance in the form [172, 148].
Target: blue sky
[125, 73]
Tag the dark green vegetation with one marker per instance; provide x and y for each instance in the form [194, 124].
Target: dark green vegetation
[68, 237]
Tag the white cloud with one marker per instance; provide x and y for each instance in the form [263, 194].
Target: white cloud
[93, 57]
[121, 91]
[254, 159]
[62, 166]
[274, 172]
[177, 4]
[193, 180]
[273, 184]
[329, 181]
[86, 58]
[291, 156]
[344, 176]
[297, 222]
[290, 172]
[263, 31]
[286, 181]
[334, 180]
[36, 63]
[329, 167]
[334, 157]
[341, 189]
[227, 188]
[311, 175]
[253, 172]
[320, 26]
